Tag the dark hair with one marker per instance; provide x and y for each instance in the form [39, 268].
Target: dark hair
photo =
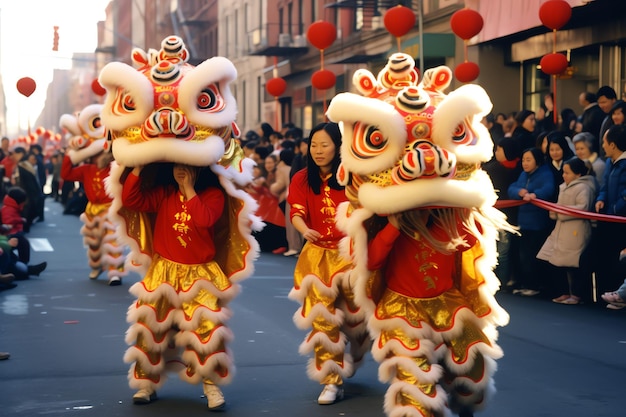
[559, 138]
[288, 144]
[606, 91]
[523, 115]
[537, 155]
[286, 155]
[510, 147]
[590, 97]
[619, 104]
[294, 133]
[578, 166]
[617, 135]
[162, 174]
[313, 176]
[567, 116]
[18, 194]
[251, 144]
[262, 151]
[267, 129]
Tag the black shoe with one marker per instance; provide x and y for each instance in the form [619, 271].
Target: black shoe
[8, 286]
[37, 269]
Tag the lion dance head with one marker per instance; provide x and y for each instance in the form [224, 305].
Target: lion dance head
[163, 110]
[414, 151]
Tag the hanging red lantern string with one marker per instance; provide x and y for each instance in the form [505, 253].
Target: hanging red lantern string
[466, 23]
[554, 14]
[322, 35]
[276, 87]
[399, 21]
[26, 86]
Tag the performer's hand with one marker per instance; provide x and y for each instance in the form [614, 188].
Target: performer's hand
[394, 220]
[311, 235]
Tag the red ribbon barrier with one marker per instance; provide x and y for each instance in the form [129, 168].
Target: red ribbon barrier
[546, 205]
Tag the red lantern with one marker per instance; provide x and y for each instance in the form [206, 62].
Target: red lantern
[555, 13]
[26, 86]
[276, 86]
[323, 79]
[321, 34]
[466, 23]
[553, 64]
[399, 20]
[97, 88]
[466, 72]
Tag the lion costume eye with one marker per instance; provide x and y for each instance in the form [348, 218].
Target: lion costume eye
[462, 135]
[95, 123]
[123, 103]
[368, 141]
[210, 99]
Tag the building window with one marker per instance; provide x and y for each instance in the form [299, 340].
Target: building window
[536, 85]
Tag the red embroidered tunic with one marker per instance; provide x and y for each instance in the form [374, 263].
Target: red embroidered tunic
[413, 268]
[183, 230]
[91, 177]
[317, 210]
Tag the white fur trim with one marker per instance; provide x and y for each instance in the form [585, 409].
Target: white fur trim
[218, 70]
[350, 108]
[317, 311]
[205, 153]
[468, 101]
[80, 155]
[392, 409]
[428, 192]
[328, 367]
[118, 77]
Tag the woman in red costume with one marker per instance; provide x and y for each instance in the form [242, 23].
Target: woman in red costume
[187, 204]
[103, 251]
[321, 283]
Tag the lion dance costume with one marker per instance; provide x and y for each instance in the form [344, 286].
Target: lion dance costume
[422, 230]
[168, 111]
[88, 162]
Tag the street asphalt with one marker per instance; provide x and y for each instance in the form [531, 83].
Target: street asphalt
[65, 334]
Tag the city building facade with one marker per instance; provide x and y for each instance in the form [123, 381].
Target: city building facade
[268, 38]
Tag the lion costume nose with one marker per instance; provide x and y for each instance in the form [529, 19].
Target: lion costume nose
[167, 122]
[424, 160]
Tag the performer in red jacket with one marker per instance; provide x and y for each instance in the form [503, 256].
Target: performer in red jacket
[88, 162]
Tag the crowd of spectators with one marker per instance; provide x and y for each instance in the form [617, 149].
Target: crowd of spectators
[576, 163]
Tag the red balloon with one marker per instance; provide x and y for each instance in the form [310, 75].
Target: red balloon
[97, 88]
[553, 63]
[399, 20]
[323, 79]
[276, 86]
[467, 72]
[466, 23]
[26, 86]
[321, 34]
[555, 13]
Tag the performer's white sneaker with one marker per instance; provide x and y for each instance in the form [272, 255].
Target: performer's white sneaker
[214, 396]
[330, 394]
[114, 281]
[144, 396]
